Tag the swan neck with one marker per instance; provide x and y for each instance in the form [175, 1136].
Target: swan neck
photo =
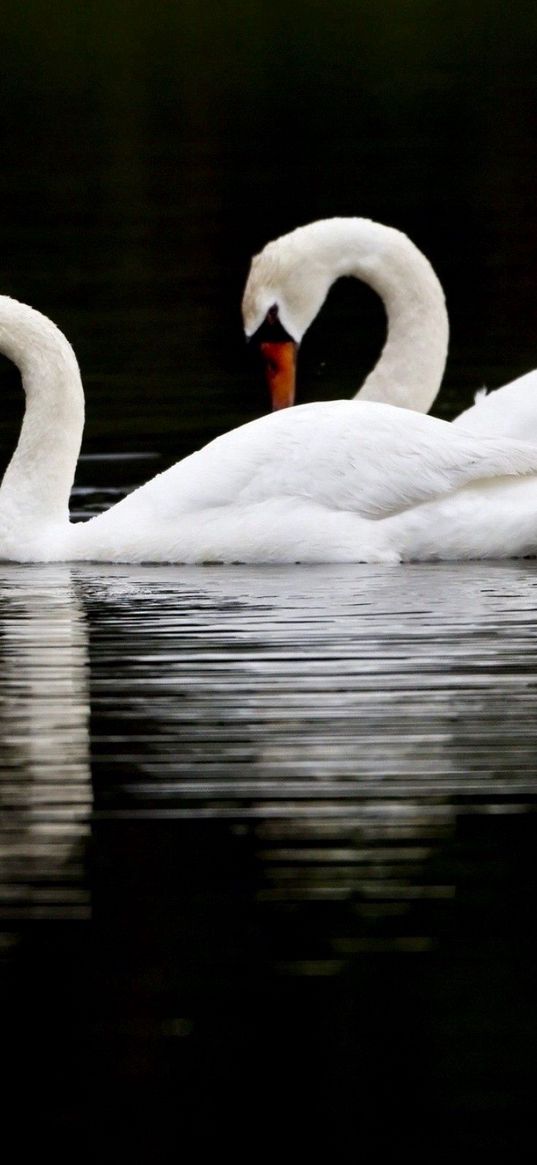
[34, 494]
[410, 369]
[411, 365]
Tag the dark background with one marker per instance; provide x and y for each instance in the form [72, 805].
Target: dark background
[149, 149]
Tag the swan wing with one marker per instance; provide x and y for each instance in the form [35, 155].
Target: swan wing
[510, 411]
[371, 459]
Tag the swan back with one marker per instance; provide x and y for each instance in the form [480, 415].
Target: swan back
[510, 411]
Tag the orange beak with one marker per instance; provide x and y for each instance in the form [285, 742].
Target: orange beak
[279, 360]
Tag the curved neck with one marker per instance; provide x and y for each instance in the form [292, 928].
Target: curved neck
[410, 369]
[412, 362]
[37, 482]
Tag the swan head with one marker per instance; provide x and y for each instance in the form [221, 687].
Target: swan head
[278, 352]
[288, 283]
[286, 288]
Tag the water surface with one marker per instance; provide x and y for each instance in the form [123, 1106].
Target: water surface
[268, 839]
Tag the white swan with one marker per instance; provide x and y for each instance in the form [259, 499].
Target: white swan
[319, 483]
[288, 283]
[290, 279]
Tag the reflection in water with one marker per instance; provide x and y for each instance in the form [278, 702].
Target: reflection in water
[347, 717]
[312, 841]
[45, 790]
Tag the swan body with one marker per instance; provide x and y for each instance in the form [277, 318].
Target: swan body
[303, 485]
[343, 481]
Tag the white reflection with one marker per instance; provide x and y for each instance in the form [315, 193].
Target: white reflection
[344, 717]
[45, 786]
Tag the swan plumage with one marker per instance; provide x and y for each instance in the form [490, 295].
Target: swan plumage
[509, 411]
[306, 484]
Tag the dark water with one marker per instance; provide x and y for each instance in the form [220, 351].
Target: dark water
[267, 836]
[267, 842]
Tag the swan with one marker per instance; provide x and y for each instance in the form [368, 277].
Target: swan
[288, 283]
[325, 482]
